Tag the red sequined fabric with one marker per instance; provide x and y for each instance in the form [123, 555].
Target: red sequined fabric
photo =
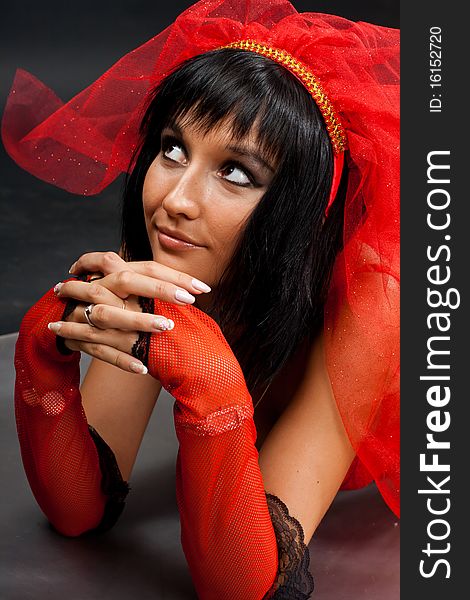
[59, 455]
[82, 145]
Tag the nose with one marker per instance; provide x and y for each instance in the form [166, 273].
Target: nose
[185, 194]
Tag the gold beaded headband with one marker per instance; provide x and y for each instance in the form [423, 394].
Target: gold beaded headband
[333, 124]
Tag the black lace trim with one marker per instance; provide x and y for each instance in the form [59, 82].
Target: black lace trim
[112, 483]
[141, 347]
[294, 580]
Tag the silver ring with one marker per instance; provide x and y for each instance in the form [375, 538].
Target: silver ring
[87, 312]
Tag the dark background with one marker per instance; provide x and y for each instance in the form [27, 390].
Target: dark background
[43, 229]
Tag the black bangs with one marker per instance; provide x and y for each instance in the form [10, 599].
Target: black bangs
[235, 87]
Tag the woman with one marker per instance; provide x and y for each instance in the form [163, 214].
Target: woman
[241, 152]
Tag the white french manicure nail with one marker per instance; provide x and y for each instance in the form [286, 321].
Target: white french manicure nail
[161, 324]
[57, 287]
[200, 285]
[171, 324]
[184, 296]
[138, 368]
[55, 327]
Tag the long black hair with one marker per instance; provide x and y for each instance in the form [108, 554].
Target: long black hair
[271, 295]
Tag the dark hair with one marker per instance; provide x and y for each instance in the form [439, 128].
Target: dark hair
[272, 293]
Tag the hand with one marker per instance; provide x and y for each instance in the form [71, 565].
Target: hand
[169, 284]
[195, 363]
[115, 333]
[116, 329]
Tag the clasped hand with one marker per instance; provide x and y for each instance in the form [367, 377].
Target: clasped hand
[119, 285]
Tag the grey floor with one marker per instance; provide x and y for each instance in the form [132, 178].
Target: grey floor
[354, 553]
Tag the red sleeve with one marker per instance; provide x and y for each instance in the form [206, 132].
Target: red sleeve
[61, 454]
[227, 531]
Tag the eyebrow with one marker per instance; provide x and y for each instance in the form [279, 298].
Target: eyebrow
[238, 150]
[253, 155]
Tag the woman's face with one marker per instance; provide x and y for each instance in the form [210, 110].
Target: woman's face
[202, 188]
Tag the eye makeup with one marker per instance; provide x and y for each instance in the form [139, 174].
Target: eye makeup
[171, 138]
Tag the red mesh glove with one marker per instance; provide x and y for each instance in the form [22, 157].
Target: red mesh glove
[227, 520]
[226, 529]
[58, 448]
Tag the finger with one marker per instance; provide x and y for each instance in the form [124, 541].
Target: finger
[110, 355]
[159, 271]
[125, 283]
[121, 340]
[94, 292]
[107, 317]
[105, 262]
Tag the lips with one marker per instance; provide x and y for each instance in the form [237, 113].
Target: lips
[177, 235]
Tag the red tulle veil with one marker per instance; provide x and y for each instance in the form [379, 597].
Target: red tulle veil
[84, 144]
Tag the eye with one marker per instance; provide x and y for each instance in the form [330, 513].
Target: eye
[236, 175]
[173, 151]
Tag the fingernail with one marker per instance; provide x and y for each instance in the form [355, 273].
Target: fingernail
[72, 267]
[200, 285]
[138, 368]
[162, 324]
[184, 296]
[55, 327]
[57, 287]
[171, 324]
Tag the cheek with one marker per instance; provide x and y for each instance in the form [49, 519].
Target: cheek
[227, 227]
[151, 191]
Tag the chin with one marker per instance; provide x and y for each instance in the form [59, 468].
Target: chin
[182, 262]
